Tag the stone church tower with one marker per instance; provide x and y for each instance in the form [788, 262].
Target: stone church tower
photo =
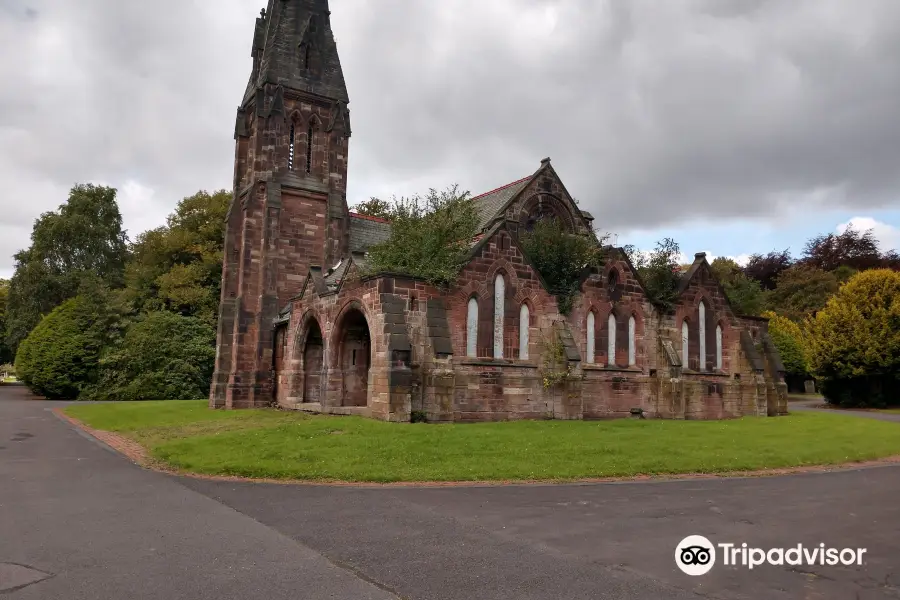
[289, 210]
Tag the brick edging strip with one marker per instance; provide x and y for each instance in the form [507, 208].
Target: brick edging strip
[139, 455]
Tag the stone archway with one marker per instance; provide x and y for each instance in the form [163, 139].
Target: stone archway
[354, 356]
[313, 361]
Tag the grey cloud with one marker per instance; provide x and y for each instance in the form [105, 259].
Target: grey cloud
[655, 113]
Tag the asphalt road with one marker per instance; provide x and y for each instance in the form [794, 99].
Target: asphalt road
[78, 521]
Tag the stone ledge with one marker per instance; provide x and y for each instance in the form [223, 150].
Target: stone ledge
[719, 374]
[608, 369]
[488, 362]
[317, 408]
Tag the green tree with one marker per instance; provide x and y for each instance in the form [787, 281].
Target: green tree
[374, 207]
[561, 258]
[801, 291]
[855, 341]
[660, 272]
[6, 355]
[178, 267]
[430, 236]
[162, 356]
[745, 295]
[60, 356]
[789, 340]
[83, 238]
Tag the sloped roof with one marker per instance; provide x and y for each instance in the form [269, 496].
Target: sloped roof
[489, 204]
[367, 231]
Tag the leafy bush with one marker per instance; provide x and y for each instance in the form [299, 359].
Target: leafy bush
[163, 356]
[659, 270]
[801, 291]
[788, 339]
[60, 356]
[855, 342]
[745, 295]
[430, 237]
[561, 258]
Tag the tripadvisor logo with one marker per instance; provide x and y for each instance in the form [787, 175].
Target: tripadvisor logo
[696, 555]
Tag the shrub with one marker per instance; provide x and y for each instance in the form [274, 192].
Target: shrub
[561, 258]
[163, 356]
[659, 271]
[855, 342]
[430, 237]
[788, 339]
[60, 356]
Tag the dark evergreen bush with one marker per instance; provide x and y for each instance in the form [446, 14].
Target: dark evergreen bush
[60, 356]
[162, 356]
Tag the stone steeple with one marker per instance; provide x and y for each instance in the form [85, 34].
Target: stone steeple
[293, 46]
[289, 211]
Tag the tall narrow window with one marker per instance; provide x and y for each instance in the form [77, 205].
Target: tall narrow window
[524, 321]
[291, 149]
[499, 302]
[306, 56]
[684, 344]
[611, 341]
[472, 329]
[590, 338]
[718, 347]
[310, 134]
[632, 358]
[701, 326]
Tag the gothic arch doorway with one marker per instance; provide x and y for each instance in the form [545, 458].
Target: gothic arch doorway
[354, 358]
[313, 359]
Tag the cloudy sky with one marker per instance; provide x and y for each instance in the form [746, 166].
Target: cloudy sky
[734, 126]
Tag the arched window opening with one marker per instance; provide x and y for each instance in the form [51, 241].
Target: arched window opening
[310, 134]
[718, 347]
[472, 329]
[524, 322]
[590, 338]
[291, 148]
[306, 56]
[632, 358]
[611, 341]
[684, 344]
[701, 325]
[612, 281]
[499, 302]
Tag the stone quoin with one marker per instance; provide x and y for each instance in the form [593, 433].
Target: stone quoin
[301, 325]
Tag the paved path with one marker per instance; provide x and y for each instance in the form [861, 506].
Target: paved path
[813, 406]
[102, 528]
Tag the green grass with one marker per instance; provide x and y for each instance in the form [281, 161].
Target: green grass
[285, 445]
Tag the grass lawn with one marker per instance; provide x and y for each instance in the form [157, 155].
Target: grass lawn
[286, 445]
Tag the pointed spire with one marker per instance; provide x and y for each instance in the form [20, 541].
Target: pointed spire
[294, 47]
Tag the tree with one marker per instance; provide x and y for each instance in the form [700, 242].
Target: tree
[178, 267]
[6, 355]
[60, 356]
[659, 271]
[561, 258]
[744, 294]
[373, 207]
[855, 342]
[801, 291]
[851, 248]
[83, 238]
[430, 237]
[162, 356]
[789, 340]
[765, 268]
